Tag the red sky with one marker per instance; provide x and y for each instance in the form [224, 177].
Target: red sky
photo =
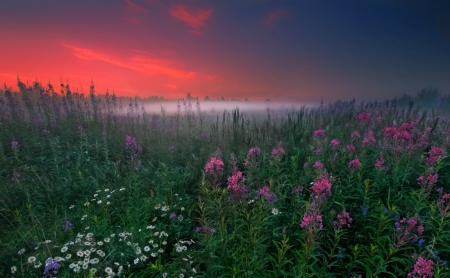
[282, 50]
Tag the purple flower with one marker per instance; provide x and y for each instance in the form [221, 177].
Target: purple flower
[173, 215]
[51, 267]
[67, 226]
[212, 230]
[14, 144]
[80, 127]
[364, 210]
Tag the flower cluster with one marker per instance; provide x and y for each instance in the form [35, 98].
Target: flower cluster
[278, 153]
[407, 230]
[443, 203]
[423, 268]
[343, 218]
[51, 267]
[319, 133]
[318, 165]
[214, 165]
[252, 155]
[236, 185]
[363, 117]
[268, 196]
[429, 182]
[369, 139]
[355, 163]
[334, 143]
[322, 186]
[312, 221]
[131, 144]
[434, 155]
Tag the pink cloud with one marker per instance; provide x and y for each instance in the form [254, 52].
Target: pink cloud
[194, 19]
[276, 16]
[134, 7]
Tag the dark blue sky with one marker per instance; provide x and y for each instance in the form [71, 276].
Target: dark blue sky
[283, 50]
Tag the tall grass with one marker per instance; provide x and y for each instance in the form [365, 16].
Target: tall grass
[91, 186]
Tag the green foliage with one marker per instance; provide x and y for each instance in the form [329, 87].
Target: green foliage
[74, 185]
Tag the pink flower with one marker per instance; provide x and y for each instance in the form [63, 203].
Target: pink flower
[379, 162]
[364, 117]
[319, 133]
[334, 143]
[354, 163]
[423, 268]
[356, 134]
[434, 155]
[14, 144]
[268, 196]
[322, 185]
[236, 185]
[351, 148]
[314, 221]
[343, 219]
[278, 153]
[215, 164]
[318, 165]
[254, 152]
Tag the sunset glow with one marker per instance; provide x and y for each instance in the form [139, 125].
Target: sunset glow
[281, 50]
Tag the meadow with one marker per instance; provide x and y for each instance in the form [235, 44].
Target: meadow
[93, 187]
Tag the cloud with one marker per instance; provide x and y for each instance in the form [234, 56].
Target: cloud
[276, 16]
[194, 19]
[139, 63]
[135, 8]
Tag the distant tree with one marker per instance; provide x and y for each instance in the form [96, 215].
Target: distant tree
[206, 98]
[268, 100]
[404, 100]
[428, 97]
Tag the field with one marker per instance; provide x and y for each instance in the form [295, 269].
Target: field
[90, 187]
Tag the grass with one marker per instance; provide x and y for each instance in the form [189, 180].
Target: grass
[90, 188]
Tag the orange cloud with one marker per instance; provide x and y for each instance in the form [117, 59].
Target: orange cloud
[150, 66]
[276, 16]
[194, 19]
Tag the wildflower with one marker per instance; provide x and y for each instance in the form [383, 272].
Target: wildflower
[165, 208]
[275, 211]
[268, 196]
[363, 117]
[319, 133]
[131, 144]
[355, 134]
[64, 249]
[429, 182]
[278, 153]
[322, 186]
[68, 256]
[379, 163]
[172, 216]
[214, 165]
[31, 259]
[67, 226]
[343, 219]
[212, 231]
[406, 231]
[434, 155]
[314, 220]
[422, 268]
[13, 269]
[334, 143]
[21, 251]
[146, 248]
[354, 163]
[318, 165]
[37, 264]
[236, 185]
[14, 144]
[72, 206]
[80, 128]
[350, 148]
[363, 210]
[109, 270]
[51, 266]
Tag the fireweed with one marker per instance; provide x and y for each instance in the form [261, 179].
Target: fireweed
[147, 231]
[214, 170]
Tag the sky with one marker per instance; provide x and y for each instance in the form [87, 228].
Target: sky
[291, 51]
